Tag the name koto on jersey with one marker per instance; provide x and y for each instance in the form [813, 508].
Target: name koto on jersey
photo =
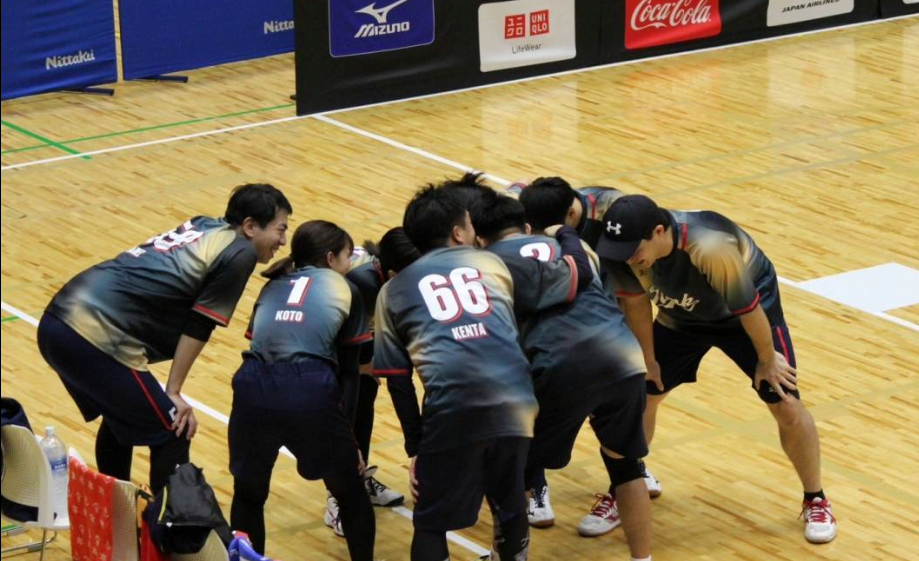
[305, 315]
[134, 307]
[589, 334]
[450, 315]
[714, 274]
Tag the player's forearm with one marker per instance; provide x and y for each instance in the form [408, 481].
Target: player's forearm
[187, 352]
[405, 402]
[756, 324]
[638, 316]
[568, 239]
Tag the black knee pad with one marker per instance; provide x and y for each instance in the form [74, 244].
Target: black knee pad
[623, 470]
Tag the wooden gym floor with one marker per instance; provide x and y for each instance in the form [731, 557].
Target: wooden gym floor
[811, 143]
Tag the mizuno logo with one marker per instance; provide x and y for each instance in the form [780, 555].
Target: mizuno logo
[379, 14]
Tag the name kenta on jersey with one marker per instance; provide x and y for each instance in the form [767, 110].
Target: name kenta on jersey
[135, 307]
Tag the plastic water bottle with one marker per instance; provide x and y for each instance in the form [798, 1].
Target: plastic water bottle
[56, 453]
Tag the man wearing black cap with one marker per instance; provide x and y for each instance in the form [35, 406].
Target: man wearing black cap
[713, 287]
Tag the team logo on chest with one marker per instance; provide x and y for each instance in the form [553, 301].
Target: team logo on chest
[665, 302]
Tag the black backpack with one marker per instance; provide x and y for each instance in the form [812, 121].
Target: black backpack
[183, 514]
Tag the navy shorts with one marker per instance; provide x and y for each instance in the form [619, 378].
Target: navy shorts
[616, 410]
[132, 402]
[679, 353]
[452, 483]
[297, 405]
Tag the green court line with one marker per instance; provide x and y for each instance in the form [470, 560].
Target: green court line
[47, 141]
[151, 128]
[11, 318]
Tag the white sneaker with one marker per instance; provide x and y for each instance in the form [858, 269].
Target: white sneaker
[651, 482]
[380, 495]
[603, 517]
[539, 510]
[332, 518]
[820, 525]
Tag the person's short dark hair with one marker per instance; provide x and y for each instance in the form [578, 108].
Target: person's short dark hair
[395, 251]
[431, 215]
[546, 201]
[472, 186]
[496, 214]
[628, 221]
[260, 201]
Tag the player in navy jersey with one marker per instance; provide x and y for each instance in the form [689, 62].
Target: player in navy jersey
[585, 363]
[368, 275]
[450, 316]
[552, 200]
[306, 331]
[713, 287]
[157, 301]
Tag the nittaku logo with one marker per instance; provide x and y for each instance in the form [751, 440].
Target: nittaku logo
[278, 26]
[69, 60]
[670, 14]
[382, 27]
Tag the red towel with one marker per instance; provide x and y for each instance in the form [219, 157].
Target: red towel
[89, 503]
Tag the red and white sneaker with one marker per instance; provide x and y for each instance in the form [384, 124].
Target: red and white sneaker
[820, 525]
[603, 517]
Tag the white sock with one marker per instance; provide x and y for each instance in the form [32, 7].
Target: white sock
[648, 558]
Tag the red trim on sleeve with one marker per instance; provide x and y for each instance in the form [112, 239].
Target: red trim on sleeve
[624, 294]
[150, 399]
[249, 335]
[391, 372]
[211, 314]
[379, 270]
[778, 331]
[592, 199]
[573, 291]
[359, 339]
[683, 237]
[748, 308]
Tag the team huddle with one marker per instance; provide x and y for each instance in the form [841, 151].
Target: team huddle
[523, 313]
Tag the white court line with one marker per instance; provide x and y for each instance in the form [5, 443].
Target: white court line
[439, 94]
[455, 538]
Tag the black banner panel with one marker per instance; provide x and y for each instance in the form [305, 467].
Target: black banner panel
[351, 52]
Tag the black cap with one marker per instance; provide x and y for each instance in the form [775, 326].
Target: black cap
[629, 220]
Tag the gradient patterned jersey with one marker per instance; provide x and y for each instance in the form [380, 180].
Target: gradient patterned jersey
[595, 201]
[367, 275]
[715, 274]
[306, 314]
[134, 307]
[590, 333]
[450, 315]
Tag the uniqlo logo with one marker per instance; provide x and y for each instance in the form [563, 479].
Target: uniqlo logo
[539, 22]
[515, 26]
[660, 22]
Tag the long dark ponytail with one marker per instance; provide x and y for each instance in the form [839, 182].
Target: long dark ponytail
[311, 243]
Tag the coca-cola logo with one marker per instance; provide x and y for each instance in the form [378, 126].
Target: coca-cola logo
[659, 22]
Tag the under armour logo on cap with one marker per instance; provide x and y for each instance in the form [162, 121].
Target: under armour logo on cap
[617, 228]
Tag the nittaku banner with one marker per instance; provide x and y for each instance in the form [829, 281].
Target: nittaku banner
[174, 35]
[354, 52]
[56, 44]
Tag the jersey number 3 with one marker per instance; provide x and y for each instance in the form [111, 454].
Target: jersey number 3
[447, 298]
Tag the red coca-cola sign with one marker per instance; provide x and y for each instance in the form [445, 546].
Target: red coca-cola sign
[659, 22]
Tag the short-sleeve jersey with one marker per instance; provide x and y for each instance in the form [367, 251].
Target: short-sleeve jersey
[715, 274]
[450, 315]
[134, 307]
[367, 275]
[306, 314]
[590, 333]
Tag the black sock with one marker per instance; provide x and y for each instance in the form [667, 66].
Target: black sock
[812, 496]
